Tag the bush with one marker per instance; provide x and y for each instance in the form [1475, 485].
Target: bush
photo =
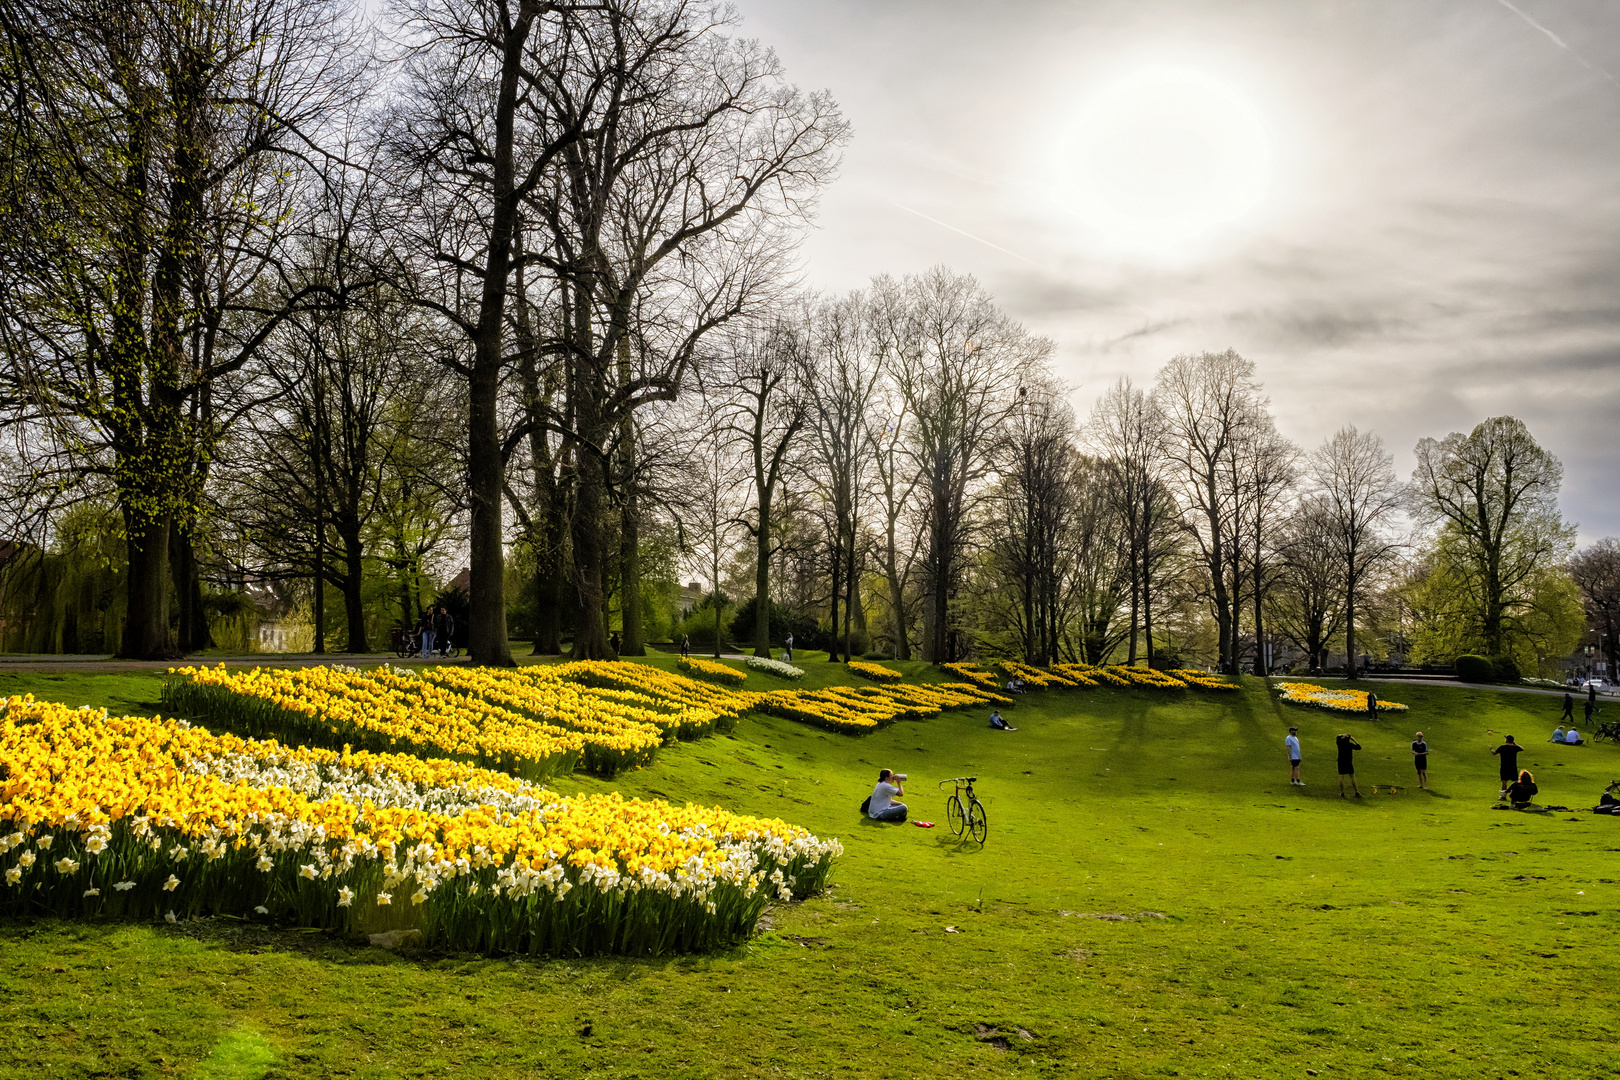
[806, 633]
[1505, 669]
[1472, 668]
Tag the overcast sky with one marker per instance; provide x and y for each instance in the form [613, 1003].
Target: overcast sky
[1406, 213]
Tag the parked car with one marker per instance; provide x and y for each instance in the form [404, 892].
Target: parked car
[1603, 685]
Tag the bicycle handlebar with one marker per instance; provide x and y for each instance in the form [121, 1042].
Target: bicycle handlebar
[959, 780]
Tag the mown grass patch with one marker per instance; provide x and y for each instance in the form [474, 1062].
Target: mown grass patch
[1399, 935]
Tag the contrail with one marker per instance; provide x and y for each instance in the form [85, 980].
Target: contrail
[967, 234]
[1558, 41]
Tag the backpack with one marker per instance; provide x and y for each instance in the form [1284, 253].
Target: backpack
[866, 805]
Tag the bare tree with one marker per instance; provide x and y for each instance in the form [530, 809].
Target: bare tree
[1208, 403]
[1596, 571]
[1494, 493]
[147, 201]
[1355, 480]
[1308, 603]
[765, 409]
[957, 362]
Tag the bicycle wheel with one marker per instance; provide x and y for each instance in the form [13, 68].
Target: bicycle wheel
[954, 814]
[978, 823]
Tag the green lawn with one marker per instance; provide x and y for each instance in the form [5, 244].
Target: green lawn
[1267, 930]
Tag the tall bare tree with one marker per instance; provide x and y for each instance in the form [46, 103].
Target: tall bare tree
[1596, 571]
[1354, 478]
[957, 362]
[146, 198]
[1209, 402]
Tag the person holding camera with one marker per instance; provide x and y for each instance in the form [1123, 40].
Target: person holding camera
[884, 804]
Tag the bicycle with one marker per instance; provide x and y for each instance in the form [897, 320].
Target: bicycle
[970, 816]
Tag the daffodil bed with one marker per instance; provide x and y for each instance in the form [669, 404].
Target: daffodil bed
[875, 672]
[708, 669]
[972, 673]
[146, 818]
[1320, 697]
[1122, 675]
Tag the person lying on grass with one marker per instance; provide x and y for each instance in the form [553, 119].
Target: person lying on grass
[1522, 790]
[998, 723]
[884, 805]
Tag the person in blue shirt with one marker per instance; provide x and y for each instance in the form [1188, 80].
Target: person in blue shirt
[998, 723]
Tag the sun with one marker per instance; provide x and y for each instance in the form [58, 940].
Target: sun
[1163, 156]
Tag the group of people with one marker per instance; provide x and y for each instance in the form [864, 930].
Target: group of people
[1590, 707]
[1568, 736]
[434, 630]
[1518, 785]
[1347, 746]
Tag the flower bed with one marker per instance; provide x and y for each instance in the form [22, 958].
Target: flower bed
[972, 673]
[773, 667]
[709, 669]
[1203, 679]
[148, 818]
[875, 672]
[1345, 701]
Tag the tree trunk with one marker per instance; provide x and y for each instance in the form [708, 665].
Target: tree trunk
[762, 577]
[353, 587]
[146, 621]
[634, 636]
[194, 635]
[1350, 629]
[549, 575]
[590, 633]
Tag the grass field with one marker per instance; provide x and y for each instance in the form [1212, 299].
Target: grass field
[1154, 900]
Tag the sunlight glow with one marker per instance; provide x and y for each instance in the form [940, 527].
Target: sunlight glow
[1163, 156]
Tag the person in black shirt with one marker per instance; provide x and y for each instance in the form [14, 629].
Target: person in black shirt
[1420, 758]
[1372, 705]
[1522, 790]
[1569, 707]
[1347, 763]
[1508, 752]
[444, 625]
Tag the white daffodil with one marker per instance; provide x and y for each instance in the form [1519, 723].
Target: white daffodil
[420, 897]
[307, 871]
[172, 884]
[65, 865]
[26, 859]
[169, 916]
[44, 842]
[92, 892]
[124, 886]
[384, 899]
[265, 862]
[262, 910]
[178, 852]
[13, 876]
[96, 844]
[345, 896]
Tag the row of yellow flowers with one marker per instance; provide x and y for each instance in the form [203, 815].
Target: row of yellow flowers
[1087, 675]
[1320, 697]
[875, 672]
[148, 818]
[711, 669]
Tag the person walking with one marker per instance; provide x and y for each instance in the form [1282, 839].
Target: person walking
[1420, 758]
[444, 628]
[1372, 705]
[424, 628]
[1591, 692]
[1508, 755]
[787, 648]
[686, 645]
[1569, 707]
[1347, 763]
[1292, 745]
[1590, 707]
[613, 643]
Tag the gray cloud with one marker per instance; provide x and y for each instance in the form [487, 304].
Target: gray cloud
[1441, 242]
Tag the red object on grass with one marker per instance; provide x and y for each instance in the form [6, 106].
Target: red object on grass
[923, 824]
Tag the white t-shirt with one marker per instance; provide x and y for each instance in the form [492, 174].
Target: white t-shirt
[1572, 737]
[1292, 742]
[882, 798]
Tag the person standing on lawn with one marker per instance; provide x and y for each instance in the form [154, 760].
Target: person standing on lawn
[1292, 745]
[1372, 705]
[686, 645]
[1508, 755]
[1569, 707]
[1420, 758]
[424, 629]
[1347, 762]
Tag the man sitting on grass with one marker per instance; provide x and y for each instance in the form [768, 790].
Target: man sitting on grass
[998, 723]
[1572, 737]
[883, 805]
